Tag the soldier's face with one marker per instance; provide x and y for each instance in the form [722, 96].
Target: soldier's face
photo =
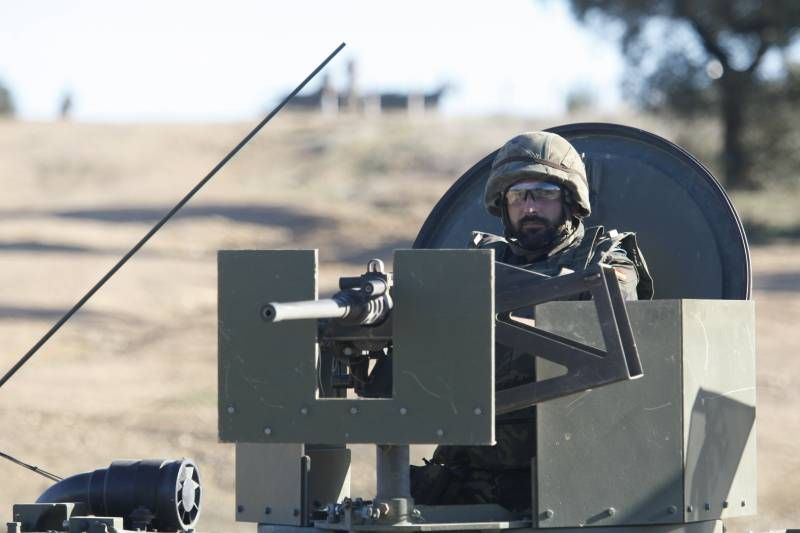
[535, 211]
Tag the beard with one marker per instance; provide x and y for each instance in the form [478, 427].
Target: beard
[545, 235]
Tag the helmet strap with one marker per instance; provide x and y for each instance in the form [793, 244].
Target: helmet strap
[508, 233]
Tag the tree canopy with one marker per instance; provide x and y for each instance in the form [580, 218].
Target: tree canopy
[719, 57]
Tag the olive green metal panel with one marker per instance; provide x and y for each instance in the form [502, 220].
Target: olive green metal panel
[329, 475]
[44, 516]
[677, 445]
[711, 526]
[268, 483]
[613, 456]
[255, 358]
[719, 383]
[269, 480]
[443, 334]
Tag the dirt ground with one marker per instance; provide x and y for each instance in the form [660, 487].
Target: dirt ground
[133, 375]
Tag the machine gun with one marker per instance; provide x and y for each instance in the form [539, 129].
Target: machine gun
[355, 327]
[363, 300]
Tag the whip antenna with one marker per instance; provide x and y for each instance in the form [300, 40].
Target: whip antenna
[164, 220]
[40, 471]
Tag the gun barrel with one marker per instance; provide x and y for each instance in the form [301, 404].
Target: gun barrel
[308, 309]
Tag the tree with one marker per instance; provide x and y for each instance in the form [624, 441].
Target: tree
[700, 57]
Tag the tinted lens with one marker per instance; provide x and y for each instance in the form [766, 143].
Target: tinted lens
[516, 197]
[538, 190]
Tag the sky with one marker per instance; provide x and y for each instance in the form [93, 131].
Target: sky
[182, 60]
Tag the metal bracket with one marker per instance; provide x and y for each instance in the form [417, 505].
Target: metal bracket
[587, 367]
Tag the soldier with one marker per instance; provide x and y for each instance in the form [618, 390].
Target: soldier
[538, 188]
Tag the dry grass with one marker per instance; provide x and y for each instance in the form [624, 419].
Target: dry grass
[134, 375]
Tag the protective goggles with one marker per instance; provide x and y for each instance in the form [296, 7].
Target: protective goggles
[537, 190]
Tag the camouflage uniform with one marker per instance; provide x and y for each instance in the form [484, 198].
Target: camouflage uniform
[501, 473]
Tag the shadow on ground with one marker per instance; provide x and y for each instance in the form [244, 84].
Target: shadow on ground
[10, 312]
[247, 214]
[360, 256]
[43, 247]
[51, 314]
[759, 233]
[778, 282]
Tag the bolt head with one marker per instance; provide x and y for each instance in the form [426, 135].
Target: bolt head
[267, 431]
[549, 513]
[354, 410]
[304, 410]
[231, 409]
[440, 433]
[672, 509]
[403, 411]
[478, 411]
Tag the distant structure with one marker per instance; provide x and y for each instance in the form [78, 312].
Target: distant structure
[325, 99]
[350, 100]
[411, 102]
[328, 100]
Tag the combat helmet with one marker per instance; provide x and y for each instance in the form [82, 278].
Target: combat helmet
[538, 155]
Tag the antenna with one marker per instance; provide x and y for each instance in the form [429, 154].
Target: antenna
[25, 358]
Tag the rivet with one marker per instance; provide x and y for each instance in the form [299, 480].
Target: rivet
[549, 514]
[347, 351]
[231, 409]
[725, 504]
[304, 410]
[440, 432]
[403, 410]
[296, 512]
[477, 411]
[240, 508]
[690, 508]
[267, 431]
[354, 410]
[672, 509]
[611, 511]
[267, 510]
[743, 503]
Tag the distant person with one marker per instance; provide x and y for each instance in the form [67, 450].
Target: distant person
[538, 187]
[65, 107]
[6, 102]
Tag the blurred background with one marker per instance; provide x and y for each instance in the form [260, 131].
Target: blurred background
[110, 112]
